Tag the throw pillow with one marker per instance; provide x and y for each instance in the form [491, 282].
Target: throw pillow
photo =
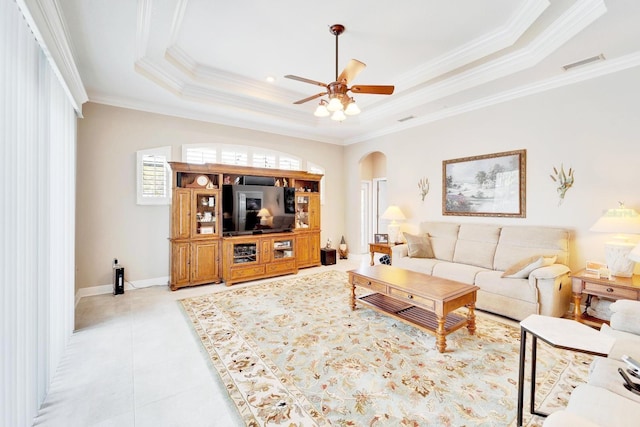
[522, 269]
[419, 246]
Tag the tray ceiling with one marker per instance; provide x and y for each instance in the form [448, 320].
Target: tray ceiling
[211, 60]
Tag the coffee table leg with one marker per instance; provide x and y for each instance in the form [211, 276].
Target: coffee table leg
[353, 296]
[471, 319]
[441, 338]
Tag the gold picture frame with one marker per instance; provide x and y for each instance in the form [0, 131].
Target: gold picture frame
[486, 185]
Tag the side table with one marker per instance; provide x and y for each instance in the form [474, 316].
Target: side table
[590, 285]
[327, 256]
[381, 248]
[559, 333]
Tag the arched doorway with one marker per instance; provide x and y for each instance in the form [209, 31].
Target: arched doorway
[373, 196]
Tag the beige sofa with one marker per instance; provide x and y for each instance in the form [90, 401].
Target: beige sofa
[480, 254]
[603, 401]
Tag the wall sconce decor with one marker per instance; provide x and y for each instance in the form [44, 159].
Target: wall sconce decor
[423, 186]
[564, 181]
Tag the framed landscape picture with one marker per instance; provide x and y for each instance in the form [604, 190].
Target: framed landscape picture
[487, 185]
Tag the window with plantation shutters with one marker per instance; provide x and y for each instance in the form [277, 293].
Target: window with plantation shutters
[234, 157]
[263, 160]
[289, 163]
[154, 176]
[201, 155]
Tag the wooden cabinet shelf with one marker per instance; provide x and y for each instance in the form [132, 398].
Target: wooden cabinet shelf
[256, 257]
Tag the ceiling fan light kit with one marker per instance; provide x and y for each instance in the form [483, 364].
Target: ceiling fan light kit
[340, 104]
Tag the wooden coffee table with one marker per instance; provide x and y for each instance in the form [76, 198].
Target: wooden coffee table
[424, 301]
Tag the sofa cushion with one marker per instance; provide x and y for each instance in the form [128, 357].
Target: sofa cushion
[603, 407]
[522, 269]
[418, 246]
[493, 282]
[625, 321]
[625, 343]
[519, 242]
[603, 372]
[464, 273]
[476, 244]
[566, 418]
[421, 265]
[443, 236]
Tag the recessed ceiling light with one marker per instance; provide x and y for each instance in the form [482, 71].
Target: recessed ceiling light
[271, 79]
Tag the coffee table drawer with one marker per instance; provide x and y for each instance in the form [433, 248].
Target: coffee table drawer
[364, 283]
[425, 303]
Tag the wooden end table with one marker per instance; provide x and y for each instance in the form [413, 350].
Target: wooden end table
[584, 283]
[381, 248]
[420, 300]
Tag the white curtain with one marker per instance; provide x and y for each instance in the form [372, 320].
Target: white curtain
[37, 220]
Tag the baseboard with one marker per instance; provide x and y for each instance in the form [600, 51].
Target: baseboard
[128, 285]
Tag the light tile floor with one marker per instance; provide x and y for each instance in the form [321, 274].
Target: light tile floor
[134, 361]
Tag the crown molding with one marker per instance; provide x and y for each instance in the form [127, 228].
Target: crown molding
[478, 48]
[46, 20]
[230, 102]
[574, 76]
[266, 126]
[230, 82]
[569, 24]
[143, 25]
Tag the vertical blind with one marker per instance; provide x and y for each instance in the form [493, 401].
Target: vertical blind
[37, 220]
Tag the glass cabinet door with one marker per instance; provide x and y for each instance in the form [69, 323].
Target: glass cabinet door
[282, 248]
[206, 216]
[245, 252]
[302, 211]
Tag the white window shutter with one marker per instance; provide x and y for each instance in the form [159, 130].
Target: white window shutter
[153, 176]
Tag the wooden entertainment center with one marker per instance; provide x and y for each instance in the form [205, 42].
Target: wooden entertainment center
[204, 249]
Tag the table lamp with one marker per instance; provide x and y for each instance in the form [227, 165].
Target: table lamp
[621, 222]
[634, 255]
[264, 214]
[394, 214]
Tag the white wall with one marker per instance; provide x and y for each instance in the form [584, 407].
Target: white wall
[109, 222]
[593, 127]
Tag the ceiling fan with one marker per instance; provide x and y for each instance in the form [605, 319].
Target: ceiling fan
[340, 103]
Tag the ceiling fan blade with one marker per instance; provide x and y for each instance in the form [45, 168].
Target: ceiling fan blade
[353, 68]
[303, 80]
[302, 101]
[376, 90]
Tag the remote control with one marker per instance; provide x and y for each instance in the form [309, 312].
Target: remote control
[633, 363]
[629, 385]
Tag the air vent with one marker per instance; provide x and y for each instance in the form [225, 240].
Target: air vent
[584, 62]
[404, 119]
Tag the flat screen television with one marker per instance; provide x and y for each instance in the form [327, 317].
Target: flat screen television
[241, 204]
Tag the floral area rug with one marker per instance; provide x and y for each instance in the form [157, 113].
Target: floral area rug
[292, 353]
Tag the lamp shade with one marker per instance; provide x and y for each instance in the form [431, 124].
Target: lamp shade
[393, 213]
[618, 221]
[263, 214]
